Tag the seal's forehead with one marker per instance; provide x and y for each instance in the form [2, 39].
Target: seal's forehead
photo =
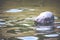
[47, 12]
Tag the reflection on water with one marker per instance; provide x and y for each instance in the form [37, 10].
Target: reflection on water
[14, 10]
[20, 10]
[28, 38]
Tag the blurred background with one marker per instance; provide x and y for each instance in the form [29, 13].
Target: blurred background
[18, 15]
[28, 7]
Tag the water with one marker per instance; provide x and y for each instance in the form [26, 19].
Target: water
[28, 38]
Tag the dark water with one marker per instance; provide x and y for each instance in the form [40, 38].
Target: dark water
[36, 38]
